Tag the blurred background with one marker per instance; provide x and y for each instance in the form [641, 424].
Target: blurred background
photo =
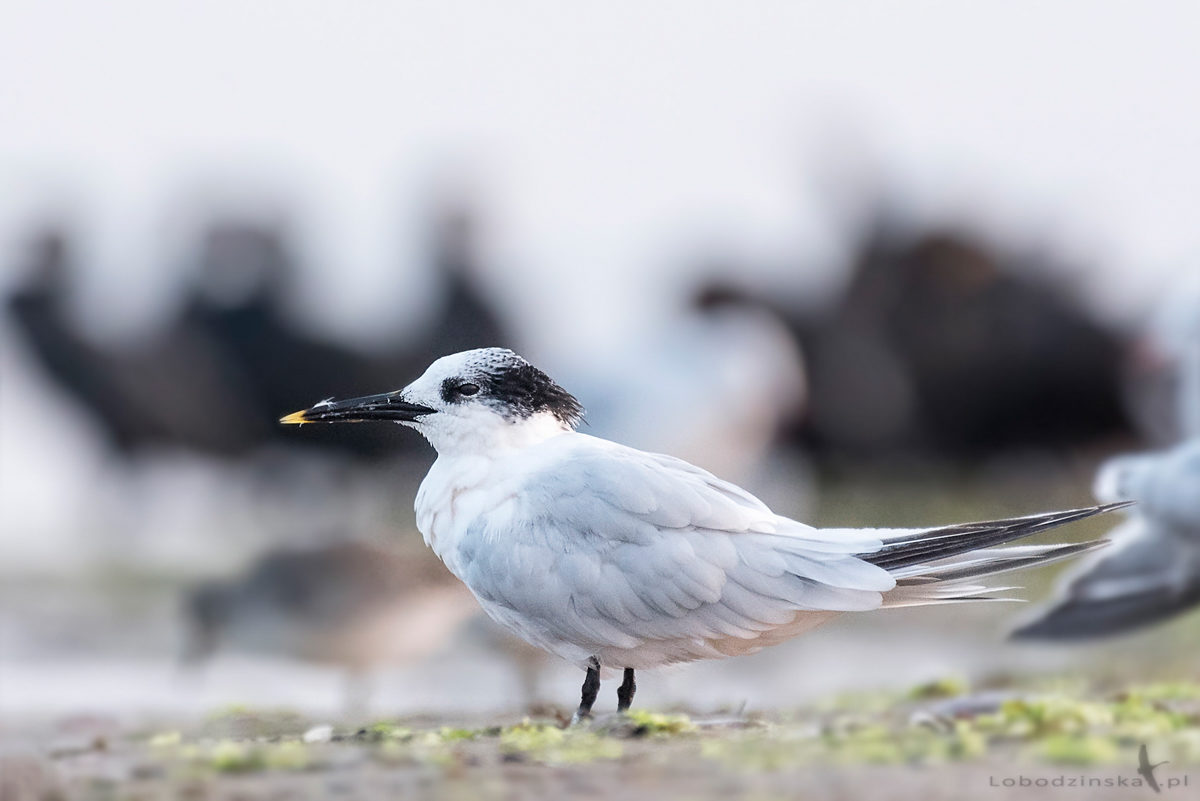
[880, 264]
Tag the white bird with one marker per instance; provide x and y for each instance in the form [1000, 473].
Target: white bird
[617, 559]
[714, 386]
[1153, 572]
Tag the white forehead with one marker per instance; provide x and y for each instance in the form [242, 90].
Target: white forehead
[1122, 478]
[466, 364]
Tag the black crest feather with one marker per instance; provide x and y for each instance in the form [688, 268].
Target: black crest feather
[522, 390]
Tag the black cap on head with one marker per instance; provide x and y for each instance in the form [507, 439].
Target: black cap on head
[513, 385]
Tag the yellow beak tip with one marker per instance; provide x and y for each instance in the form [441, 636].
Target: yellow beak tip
[293, 419]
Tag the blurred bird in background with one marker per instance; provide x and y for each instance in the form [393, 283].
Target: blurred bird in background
[1153, 573]
[715, 384]
[171, 389]
[947, 347]
[351, 605]
[214, 377]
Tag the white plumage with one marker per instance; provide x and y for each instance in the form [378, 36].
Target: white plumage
[1153, 571]
[591, 549]
[611, 557]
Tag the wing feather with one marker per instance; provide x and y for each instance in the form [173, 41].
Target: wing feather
[640, 550]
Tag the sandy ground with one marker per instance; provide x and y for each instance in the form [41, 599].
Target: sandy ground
[94, 703]
[937, 741]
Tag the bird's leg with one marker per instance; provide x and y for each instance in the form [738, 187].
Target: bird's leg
[625, 691]
[591, 688]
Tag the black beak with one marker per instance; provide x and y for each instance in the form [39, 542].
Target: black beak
[389, 406]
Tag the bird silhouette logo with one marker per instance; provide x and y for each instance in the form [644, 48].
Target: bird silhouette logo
[1146, 768]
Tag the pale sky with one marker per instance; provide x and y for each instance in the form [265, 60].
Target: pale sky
[607, 141]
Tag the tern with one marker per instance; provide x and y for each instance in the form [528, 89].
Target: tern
[1153, 572]
[620, 560]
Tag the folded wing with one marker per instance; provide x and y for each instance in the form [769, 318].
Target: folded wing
[642, 559]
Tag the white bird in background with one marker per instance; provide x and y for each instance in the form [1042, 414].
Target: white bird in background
[713, 386]
[351, 605]
[1153, 572]
[617, 559]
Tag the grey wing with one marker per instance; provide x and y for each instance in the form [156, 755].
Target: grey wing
[622, 552]
[1175, 495]
[1152, 574]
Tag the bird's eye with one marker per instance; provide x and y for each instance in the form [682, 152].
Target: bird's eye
[467, 390]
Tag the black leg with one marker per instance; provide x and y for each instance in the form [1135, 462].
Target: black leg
[591, 688]
[626, 690]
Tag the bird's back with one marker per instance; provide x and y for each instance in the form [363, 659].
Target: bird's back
[587, 547]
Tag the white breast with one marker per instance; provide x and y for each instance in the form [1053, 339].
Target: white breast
[456, 492]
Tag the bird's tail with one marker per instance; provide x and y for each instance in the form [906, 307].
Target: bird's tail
[1146, 579]
[941, 565]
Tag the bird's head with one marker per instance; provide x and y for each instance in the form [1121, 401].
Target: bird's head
[467, 402]
[1125, 478]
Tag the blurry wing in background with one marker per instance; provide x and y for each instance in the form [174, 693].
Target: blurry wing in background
[38, 313]
[1151, 575]
[467, 317]
[237, 303]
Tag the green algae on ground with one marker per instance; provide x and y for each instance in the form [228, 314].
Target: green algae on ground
[450, 734]
[1041, 716]
[657, 723]
[1078, 731]
[1068, 726]
[166, 739]
[383, 731]
[1165, 691]
[1087, 749]
[288, 755]
[422, 748]
[946, 687]
[550, 744]
[1058, 727]
[227, 756]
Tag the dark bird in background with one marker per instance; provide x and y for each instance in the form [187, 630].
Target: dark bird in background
[237, 301]
[466, 318]
[943, 346]
[213, 379]
[173, 389]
